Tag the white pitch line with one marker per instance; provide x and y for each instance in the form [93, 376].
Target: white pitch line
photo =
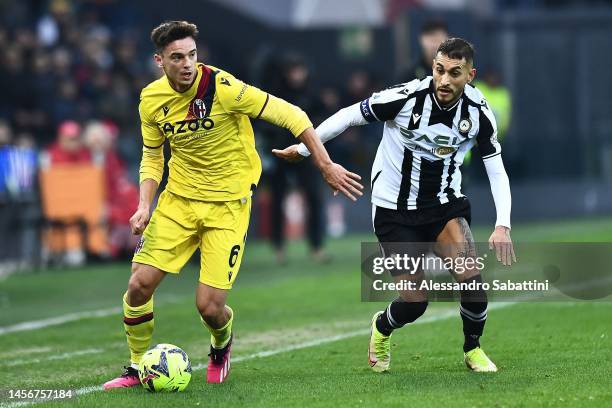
[27, 350]
[71, 317]
[54, 321]
[312, 343]
[54, 357]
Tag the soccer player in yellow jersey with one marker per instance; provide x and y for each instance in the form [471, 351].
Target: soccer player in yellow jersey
[205, 115]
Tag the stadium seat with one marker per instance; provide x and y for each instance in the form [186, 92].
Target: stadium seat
[73, 198]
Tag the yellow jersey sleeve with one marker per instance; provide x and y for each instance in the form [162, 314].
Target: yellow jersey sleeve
[152, 163]
[238, 97]
[152, 136]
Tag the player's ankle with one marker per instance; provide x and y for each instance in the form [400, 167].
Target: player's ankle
[471, 342]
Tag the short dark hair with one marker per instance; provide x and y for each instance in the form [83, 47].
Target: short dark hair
[170, 31]
[430, 26]
[457, 48]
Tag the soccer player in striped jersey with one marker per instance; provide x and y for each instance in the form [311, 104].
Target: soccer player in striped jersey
[430, 125]
[204, 113]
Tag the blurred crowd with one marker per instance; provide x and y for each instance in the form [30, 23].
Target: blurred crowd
[65, 63]
[71, 79]
[26, 173]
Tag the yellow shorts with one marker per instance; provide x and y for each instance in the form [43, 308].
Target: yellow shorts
[179, 225]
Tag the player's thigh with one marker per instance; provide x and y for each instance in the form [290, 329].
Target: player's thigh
[222, 246]
[171, 236]
[409, 244]
[457, 242]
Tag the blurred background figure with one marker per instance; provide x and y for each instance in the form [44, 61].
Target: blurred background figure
[498, 97]
[121, 194]
[361, 141]
[329, 102]
[76, 227]
[433, 33]
[8, 210]
[294, 87]
[19, 201]
[68, 147]
[500, 101]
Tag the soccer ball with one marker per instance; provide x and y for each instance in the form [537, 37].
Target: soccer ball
[165, 368]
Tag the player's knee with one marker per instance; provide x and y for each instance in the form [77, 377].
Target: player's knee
[210, 311]
[140, 289]
[403, 312]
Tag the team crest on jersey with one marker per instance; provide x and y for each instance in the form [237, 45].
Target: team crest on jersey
[199, 109]
[465, 125]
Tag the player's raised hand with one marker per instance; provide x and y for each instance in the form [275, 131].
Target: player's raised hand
[501, 243]
[343, 181]
[290, 154]
[139, 220]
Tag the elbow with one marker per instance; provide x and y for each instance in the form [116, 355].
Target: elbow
[301, 123]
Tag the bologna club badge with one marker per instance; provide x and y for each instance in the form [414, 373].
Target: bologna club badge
[199, 109]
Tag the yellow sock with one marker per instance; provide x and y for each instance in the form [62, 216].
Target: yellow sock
[220, 337]
[138, 324]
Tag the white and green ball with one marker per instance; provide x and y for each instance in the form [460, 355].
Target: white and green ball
[165, 368]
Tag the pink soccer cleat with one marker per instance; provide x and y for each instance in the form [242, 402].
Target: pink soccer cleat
[129, 378]
[219, 363]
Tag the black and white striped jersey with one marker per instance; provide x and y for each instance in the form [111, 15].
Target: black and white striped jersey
[418, 161]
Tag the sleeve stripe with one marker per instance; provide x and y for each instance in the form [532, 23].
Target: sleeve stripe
[154, 147]
[264, 106]
[493, 155]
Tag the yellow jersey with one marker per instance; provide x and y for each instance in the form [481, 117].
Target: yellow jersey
[209, 130]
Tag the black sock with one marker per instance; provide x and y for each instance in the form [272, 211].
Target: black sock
[383, 324]
[398, 314]
[471, 341]
[473, 312]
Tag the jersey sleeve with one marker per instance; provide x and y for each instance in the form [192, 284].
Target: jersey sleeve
[386, 104]
[239, 97]
[487, 133]
[152, 137]
[152, 164]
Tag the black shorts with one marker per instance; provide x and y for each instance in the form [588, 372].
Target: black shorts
[418, 225]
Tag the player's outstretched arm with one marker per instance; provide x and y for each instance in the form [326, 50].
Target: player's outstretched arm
[500, 240]
[236, 96]
[338, 178]
[329, 129]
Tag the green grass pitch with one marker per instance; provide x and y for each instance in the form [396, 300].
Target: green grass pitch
[301, 338]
